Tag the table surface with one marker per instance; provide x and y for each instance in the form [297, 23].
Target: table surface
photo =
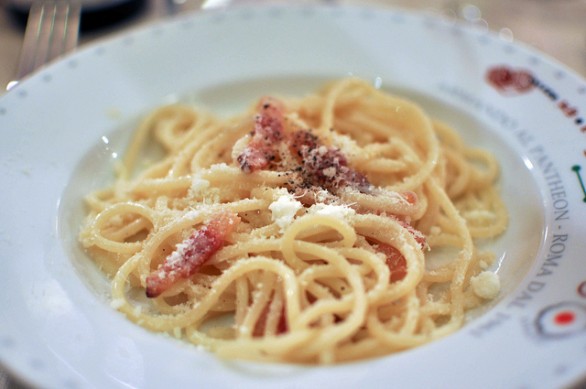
[554, 27]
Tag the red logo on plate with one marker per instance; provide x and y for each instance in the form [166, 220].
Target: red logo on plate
[510, 81]
[562, 319]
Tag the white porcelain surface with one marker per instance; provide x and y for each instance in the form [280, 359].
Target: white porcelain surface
[63, 128]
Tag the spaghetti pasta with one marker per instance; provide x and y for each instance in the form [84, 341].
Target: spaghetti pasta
[338, 226]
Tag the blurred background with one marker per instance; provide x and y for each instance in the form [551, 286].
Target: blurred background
[555, 27]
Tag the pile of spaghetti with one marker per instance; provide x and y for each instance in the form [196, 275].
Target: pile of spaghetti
[339, 226]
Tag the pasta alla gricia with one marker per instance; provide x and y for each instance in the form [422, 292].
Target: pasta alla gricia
[304, 230]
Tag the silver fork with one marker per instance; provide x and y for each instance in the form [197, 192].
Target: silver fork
[52, 30]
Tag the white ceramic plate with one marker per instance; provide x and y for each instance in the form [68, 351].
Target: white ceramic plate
[63, 128]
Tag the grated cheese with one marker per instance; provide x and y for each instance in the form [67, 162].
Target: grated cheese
[338, 211]
[486, 285]
[199, 185]
[284, 210]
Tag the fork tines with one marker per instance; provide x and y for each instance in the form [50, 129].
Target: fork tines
[52, 30]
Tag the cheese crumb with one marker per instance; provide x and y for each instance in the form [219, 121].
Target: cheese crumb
[338, 211]
[284, 210]
[486, 285]
[329, 172]
[221, 167]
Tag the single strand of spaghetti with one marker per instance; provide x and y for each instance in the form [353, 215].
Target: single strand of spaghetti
[270, 348]
[379, 129]
[383, 165]
[98, 200]
[388, 201]
[435, 309]
[106, 215]
[216, 142]
[252, 264]
[260, 299]
[444, 274]
[319, 308]
[128, 230]
[307, 223]
[183, 161]
[157, 186]
[412, 118]
[123, 188]
[463, 258]
[328, 109]
[136, 145]
[388, 230]
[174, 123]
[275, 314]
[363, 349]
[492, 203]
[282, 347]
[242, 298]
[230, 175]
[459, 173]
[358, 296]
[411, 315]
[245, 247]
[399, 341]
[328, 273]
[195, 313]
[374, 263]
[486, 176]
[316, 290]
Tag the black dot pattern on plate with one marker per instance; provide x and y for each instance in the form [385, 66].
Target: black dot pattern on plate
[72, 64]
[100, 50]
[22, 93]
[47, 77]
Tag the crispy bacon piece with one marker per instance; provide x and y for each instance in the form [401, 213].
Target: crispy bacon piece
[318, 165]
[325, 166]
[192, 253]
[268, 129]
[395, 260]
